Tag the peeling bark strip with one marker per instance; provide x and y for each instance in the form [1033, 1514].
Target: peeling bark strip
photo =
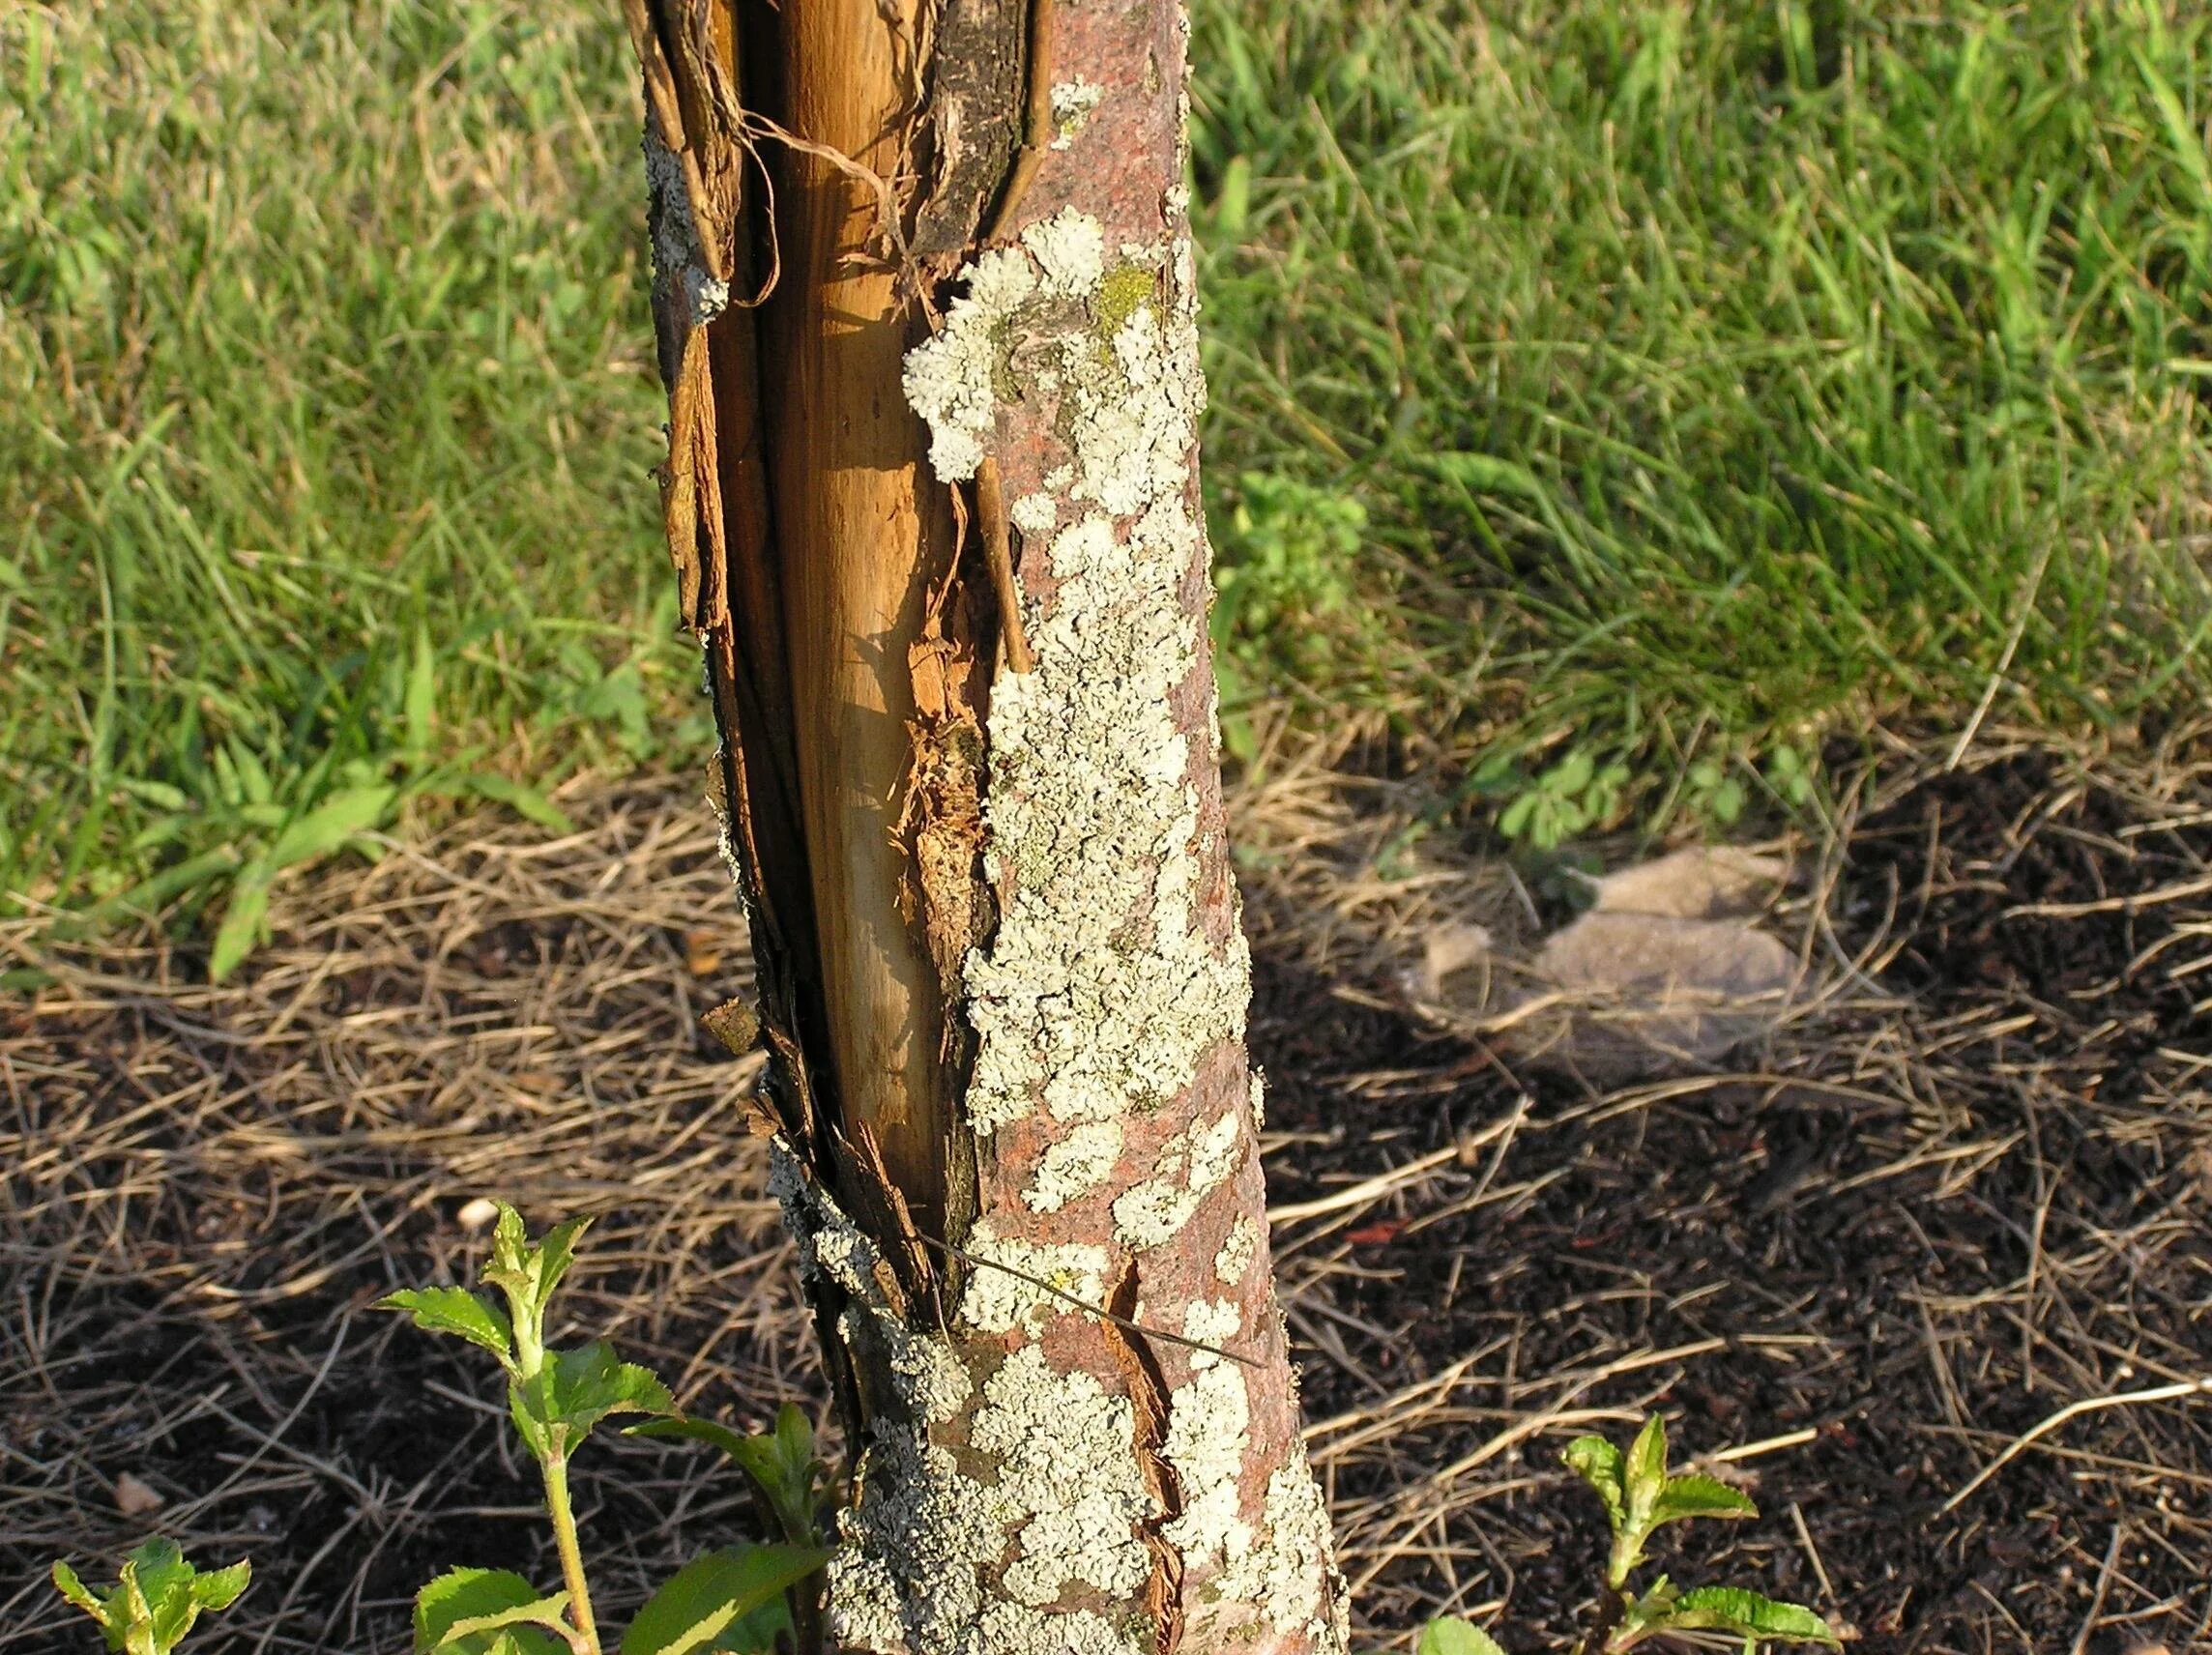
[953, 594]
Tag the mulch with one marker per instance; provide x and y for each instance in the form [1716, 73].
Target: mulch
[1966, 1191]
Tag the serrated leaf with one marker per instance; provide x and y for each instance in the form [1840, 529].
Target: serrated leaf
[1449, 1635]
[1697, 1495]
[522, 1401]
[578, 1388]
[525, 802]
[794, 1436]
[332, 824]
[459, 1312]
[1599, 1464]
[220, 1588]
[682, 1425]
[545, 1612]
[707, 1596]
[1749, 1615]
[509, 1241]
[242, 919]
[556, 1252]
[1644, 1472]
[75, 1592]
[157, 1597]
[458, 1611]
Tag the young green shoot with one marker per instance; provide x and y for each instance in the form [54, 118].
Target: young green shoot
[1641, 1498]
[157, 1597]
[730, 1600]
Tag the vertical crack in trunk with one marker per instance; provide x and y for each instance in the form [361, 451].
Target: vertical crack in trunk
[972, 804]
[1148, 1393]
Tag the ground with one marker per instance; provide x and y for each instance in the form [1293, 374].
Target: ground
[1624, 417]
[1968, 1189]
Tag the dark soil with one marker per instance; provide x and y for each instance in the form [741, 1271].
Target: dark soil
[1974, 1192]
[1910, 1239]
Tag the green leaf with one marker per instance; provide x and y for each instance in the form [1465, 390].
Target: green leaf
[781, 1465]
[1600, 1465]
[74, 1591]
[220, 1588]
[1751, 1616]
[332, 824]
[579, 1388]
[1449, 1635]
[1653, 1611]
[1699, 1497]
[525, 802]
[545, 1612]
[1571, 774]
[456, 1311]
[157, 1597]
[1646, 1471]
[530, 1270]
[1515, 820]
[241, 920]
[508, 1242]
[254, 786]
[556, 1252]
[705, 1597]
[475, 1612]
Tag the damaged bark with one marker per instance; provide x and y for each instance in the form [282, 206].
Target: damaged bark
[950, 593]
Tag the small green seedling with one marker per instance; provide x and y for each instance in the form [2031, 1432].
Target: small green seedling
[157, 1597]
[738, 1600]
[1573, 797]
[1641, 1498]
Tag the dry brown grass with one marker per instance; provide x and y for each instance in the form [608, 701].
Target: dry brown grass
[1967, 1190]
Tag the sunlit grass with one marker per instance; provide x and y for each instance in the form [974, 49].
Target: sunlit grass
[1661, 386]
[1720, 376]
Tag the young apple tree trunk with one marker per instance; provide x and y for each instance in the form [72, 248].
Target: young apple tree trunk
[925, 301]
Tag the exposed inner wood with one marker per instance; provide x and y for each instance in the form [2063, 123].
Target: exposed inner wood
[861, 534]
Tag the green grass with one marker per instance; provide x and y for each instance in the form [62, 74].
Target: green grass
[1617, 399]
[1716, 377]
[327, 413]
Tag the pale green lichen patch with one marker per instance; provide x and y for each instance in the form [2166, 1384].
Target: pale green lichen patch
[1074, 103]
[1191, 1166]
[956, 379]
[1002, 1287]
[1036, 513]
[1074, 1166]
[1208, 1430]
[1101, 990]
[977, 1549]
[1215, 1323]
[1069, 1476]
[1237, 1250]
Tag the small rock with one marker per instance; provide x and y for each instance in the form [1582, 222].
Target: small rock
[1700, 882]
[1628, 994]
[476, 1213]
[134, 1496]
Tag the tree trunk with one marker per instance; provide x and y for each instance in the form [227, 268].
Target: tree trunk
[933, 504]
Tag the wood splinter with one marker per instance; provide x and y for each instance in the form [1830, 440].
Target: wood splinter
[997, 547]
